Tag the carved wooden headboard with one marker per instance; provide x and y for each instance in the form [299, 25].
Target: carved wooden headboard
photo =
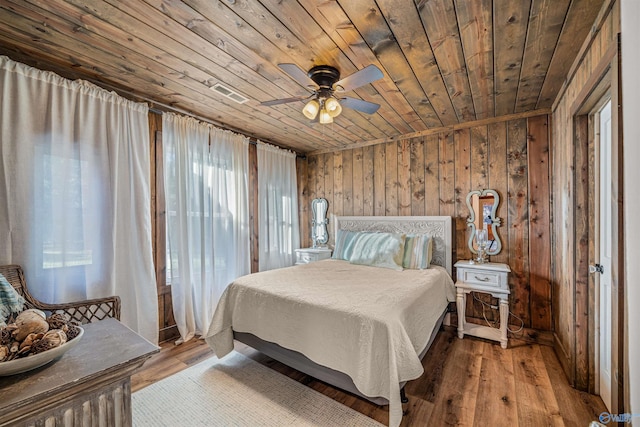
[439, 227]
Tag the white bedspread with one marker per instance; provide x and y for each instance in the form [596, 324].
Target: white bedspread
[367, 322]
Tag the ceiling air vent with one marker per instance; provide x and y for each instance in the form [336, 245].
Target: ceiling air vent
[225, 91]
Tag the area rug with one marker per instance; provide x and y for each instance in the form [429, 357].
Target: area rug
[237, 391]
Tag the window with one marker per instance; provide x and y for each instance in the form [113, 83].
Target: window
[206, 215]
[62, 211]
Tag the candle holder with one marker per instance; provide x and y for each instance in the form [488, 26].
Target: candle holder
[481, 243]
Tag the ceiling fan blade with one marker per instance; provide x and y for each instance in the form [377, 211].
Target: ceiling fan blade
[283, 100]
[359, 105]
[299, 75]
[368, 74]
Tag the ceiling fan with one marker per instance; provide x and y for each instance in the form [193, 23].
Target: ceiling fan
[323, 81]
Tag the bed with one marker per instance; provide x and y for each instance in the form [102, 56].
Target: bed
[361, 328]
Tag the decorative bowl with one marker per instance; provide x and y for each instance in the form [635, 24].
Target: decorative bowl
[34, 361]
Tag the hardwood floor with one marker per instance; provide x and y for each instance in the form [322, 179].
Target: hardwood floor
[469, 382]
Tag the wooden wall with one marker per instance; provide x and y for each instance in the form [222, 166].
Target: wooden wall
[572, 172]
[432, 174]
[166, 322]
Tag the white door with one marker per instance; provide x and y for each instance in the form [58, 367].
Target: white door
[605, 327]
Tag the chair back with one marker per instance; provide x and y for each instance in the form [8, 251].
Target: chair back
[85, 311]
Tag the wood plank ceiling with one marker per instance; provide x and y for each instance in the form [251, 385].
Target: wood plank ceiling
[445, 62]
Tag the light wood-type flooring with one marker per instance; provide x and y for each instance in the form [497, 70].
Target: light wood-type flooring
[468, 382]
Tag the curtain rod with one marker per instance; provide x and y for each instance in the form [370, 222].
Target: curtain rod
[252, 139]
[154, 105]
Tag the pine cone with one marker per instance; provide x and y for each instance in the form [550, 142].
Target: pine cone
[52, 339]
[57, 321]
[5, 336]
[72, 331]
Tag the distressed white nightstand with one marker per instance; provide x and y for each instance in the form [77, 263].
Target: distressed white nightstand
[307, 255]
[491, 278]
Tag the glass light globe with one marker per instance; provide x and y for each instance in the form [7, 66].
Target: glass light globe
[311, 109]
[325, 117]
[333, 106]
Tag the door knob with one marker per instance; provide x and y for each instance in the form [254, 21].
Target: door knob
[596, 269]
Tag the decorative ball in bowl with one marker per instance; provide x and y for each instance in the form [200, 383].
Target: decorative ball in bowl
[33, 340]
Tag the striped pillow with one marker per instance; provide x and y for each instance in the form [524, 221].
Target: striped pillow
[344, 245]
[11, 302]
[417, 251]
[378, 250]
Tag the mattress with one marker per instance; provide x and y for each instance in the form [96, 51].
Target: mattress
[368, 322]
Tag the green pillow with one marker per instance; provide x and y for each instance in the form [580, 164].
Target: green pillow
[418, 250]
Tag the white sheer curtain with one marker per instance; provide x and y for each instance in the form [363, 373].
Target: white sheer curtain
[206, 190]
[75, 192]
[278, 207]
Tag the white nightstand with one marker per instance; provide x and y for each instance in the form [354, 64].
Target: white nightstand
[490, 278]
[307, 255]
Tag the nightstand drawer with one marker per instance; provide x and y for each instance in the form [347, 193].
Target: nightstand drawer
[491, 278]
[307, 255]
[486, 278]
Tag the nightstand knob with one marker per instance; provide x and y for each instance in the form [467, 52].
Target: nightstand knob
[482, 279]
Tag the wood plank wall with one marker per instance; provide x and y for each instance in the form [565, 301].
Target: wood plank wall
[432, 174]
[166, 321]
[572, 288]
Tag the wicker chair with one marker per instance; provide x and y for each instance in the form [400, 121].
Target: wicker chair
[82, 311]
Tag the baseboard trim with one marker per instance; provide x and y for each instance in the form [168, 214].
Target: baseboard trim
[565, 360]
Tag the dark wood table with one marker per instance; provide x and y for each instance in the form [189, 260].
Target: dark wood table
[89, 385]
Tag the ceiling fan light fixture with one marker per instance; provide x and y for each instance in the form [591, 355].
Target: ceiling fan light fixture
[323, 81]
[310, 110]
[333, 107]
[325, 117]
